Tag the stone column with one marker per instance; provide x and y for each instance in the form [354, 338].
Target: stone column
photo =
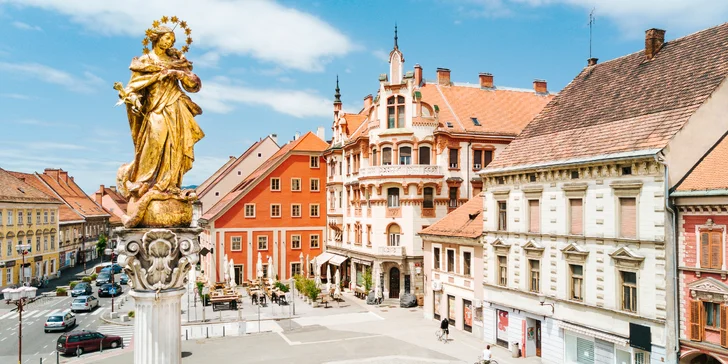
[157, 262]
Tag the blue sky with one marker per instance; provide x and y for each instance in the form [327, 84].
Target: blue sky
[270, 67]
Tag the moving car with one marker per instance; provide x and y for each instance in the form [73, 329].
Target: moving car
[82, 289]
[109, 289]
[79, 342]
[60, 321]
[115, 268]
[103, 278]
[84, 303]
[124, 278]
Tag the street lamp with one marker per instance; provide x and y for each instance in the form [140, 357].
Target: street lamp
[19, 296]
[542, 301]
[112, 290]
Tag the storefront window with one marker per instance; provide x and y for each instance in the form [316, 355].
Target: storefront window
[578, 350]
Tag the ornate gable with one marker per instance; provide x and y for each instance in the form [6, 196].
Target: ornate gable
[709, 289]
[573, 252]
[533, 249]
[626, 258]
[500, 246]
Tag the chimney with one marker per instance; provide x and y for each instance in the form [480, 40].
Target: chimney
[274, 137]
[368, 102]
[443, 77]
[418, 75]
[100, 195]
[654, 38]
[63, 175]
[486, 80]
[321, 133]
[113, 188]
[53, 173]
[540, 86]
[296, 136]
[592, 61]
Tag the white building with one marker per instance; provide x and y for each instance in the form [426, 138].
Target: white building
[408, 158]
[575, 209]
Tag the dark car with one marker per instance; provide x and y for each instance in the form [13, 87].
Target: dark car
[124, 278]
[82, 289]
[103, 278]
[110, 290]
[79, 342]
[115, 268]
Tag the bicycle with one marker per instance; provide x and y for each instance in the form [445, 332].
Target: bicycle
[441, 335]
[481, 361]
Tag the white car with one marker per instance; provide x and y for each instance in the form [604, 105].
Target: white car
[60, 321]
[84, 303]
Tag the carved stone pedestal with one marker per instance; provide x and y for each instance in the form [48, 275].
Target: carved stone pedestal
[157, 262]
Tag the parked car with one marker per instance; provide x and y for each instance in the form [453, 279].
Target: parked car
[60, 321]
[124, 279]
[103, 278]
[115, 268]
[82, 289]
[109, 289]
[79, 342]
[84, 303]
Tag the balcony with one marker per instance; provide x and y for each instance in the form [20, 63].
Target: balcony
[392, 251]
[401, 170]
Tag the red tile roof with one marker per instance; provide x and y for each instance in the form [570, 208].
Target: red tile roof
[13, 189]
[625, 105]
[711, 173]
[65, 213]
[466, 221]
[64, 186]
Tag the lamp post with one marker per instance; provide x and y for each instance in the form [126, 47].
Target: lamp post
[542, 301]
[110, 253]
[18, 296]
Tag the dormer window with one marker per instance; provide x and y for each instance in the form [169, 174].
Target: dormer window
[425, 111]
[395, 112]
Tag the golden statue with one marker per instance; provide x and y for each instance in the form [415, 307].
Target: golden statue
[163, 129]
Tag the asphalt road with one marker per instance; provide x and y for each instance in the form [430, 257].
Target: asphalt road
[36, 343]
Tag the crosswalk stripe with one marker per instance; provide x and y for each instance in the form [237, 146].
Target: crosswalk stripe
[52, 312]
[36, 314]
[126, 332]
[28, 314]
[7, 315]
[98, 310]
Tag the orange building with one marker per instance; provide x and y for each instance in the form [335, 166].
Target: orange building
[277, 211]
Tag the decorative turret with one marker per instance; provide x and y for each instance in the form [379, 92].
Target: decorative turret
[337, 100]
[396, 59]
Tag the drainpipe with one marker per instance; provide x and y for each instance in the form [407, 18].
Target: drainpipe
[659, 158]
[467, 171]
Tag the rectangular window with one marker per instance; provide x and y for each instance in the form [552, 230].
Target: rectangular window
[386, 156]
[369, 235]
[477, 159]
[29, 217]
[534, 267]
[236, 243]
[53, 242]
[467, 256]
[9, 276]
[405, 155]
[10, 217]
[576, 289]
[296, 210]
[576, 216]
[249, 210]
[314, 210]
[453, 197]
[629, 291]
[390, 117]
[502, 215]
[295, 269]
[262, 242]
[20, 217]
[53, 217]
[450, 260]
[534, 216]
[275, 210]
[393, 197]
[10, 248]
[711, 249]
[454, 152]
[628, 217]
[295, 184]
[45, 243]
[37, 243]
[1, 218]
[37, 217]
[424, 155]
[275, 184]
[712, 315]
[428, 198]
[314, 161]
[295, 241]
[436, 256]
[502, 270]
[487, 157]
[315, 185]
[314, 241]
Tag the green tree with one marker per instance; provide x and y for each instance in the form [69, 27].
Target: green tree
[101, 244]
[368, 280]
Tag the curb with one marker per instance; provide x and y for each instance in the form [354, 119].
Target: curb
[113, 322]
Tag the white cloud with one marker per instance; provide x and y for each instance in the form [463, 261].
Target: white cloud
[381, 54]
[86, 83]
[15, 96]
[220, 97]
[26, 26]
[208, 59]
[53, 146]
[632, 17]
[264, 30]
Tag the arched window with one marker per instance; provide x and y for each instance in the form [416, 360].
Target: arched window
[375, 161]
[393, 197]
[395, 112]
[405, 155]
[424, 155]
[426, 111]
[386, 156]
[429, 198]
[394, 232]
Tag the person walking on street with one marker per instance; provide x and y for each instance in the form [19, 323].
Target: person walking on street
[444, 326]
[487, 355]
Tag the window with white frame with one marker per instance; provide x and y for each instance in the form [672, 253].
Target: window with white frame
[275, 210]
[53, 242]
[450, 260]
[393, 197]
[295, 184]
[576, 216]
[296, 210]
[436, 257]
[534, 269]
[314, 161]
[45, 217]
[315, 186]
[37, 217]
[576, 282]
[314, 210]
[262, 242]
[295, 269]
[265, 270]
[45, 243]
[393, 233]
[20, 217]
[249, 210]
[628, 217]
[629, 290]
[295, 241]
[236, 243]
[467, 263]
[10, 217]
[502, 216]
[1, 218]
[9, 276]
[275, 184]
[578, 349]
[53, 217]
[314, 241]
[502, 270]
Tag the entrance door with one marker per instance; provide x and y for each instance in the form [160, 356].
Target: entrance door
[394, 282]
[538, 338]
[238, 274]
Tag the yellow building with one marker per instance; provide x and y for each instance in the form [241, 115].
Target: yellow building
[28, 217]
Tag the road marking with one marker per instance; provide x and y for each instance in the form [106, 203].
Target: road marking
[98, 310]
[7, 315]
[3, 339]
[52, 312]
[45, 346]
[292, 343]
[37, 314]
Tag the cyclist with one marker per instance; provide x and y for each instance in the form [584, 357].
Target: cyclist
[444, 326]
[487, 355]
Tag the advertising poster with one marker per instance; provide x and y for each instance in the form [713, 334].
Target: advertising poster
[438, 297]
[451, 308]
[468, 313]
[502, 331]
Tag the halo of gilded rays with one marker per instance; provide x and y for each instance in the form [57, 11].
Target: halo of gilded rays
[165, 20]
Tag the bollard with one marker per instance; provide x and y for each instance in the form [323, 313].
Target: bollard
[101, 345]
[208, 332]
[223, 331]
[186, 336]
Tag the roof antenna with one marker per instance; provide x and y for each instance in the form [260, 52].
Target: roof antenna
[591, 24]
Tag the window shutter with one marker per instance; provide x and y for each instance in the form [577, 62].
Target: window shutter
[628, 217]
[577, 216]
[723, 326]
[534, 216]
[696, 320]
[704, 249]
[715, 250]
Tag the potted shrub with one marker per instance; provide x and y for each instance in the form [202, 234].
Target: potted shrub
[368, 281]
[60, 291]
[72, 285]
[87, 279]
[94, 276]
